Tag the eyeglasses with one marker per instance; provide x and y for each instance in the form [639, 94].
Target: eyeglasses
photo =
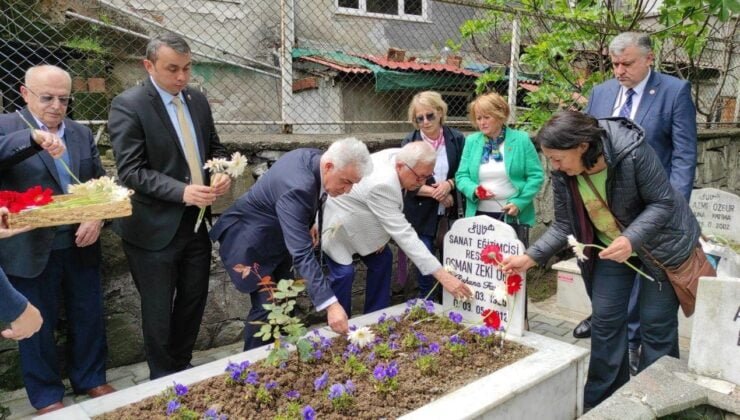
[429, 117]
[419, 178]
[47, 99]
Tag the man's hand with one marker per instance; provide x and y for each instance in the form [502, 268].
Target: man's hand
[220, 184]
[26, 325]
[448, 201]
[198, 195]
[49, 142]
[452, 284]
[5, 231]
[619, 250]
[88, 233]
[337, 318]
[517, 264]
[314, 231]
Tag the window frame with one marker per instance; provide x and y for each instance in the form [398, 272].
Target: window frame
[362, 11]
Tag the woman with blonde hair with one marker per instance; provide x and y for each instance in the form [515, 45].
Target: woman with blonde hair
[500, 172]
[430, 208]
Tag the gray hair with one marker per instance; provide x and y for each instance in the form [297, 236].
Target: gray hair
[36, 71]
[417, 152]
[176, 42]
[349, 151]
[628, 39]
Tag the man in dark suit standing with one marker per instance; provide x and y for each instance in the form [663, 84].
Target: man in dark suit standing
[269, 228]
[663, 107]
[162, 133]
[46, 264]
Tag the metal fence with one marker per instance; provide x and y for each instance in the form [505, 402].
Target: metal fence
[318, 66]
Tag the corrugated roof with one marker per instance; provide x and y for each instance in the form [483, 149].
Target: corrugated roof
[336, 66]
[416, 66]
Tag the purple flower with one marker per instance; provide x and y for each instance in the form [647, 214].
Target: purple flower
[370, 356]
[180, 389]
[379, 372]
[172, 407]
[434, 348]
[271, 385]
[308, 413]
[292, 394]
[382, 318]
[321, 381]
[482, 330]
[252, 378]
[421, 337]
[429, 306]
[336, 391]
[352, 327]
[245, 364]
[456, 339]
[411, 302]
[212, 414]
[317, 354]
[349, 386]
[392, 369]
[393, 345]
[455, 317]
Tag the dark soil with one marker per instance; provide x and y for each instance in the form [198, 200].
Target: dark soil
[238, 401]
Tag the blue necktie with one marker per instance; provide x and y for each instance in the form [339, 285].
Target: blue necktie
[64, 177]
[626, 110]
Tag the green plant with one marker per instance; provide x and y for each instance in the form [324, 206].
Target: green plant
[383, 351]
[410, 341]
[428, 364]
[354, 367]
[86, 44]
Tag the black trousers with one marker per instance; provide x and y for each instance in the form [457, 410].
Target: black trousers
[173, 285]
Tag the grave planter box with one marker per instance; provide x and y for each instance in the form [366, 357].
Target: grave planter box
[546, 384]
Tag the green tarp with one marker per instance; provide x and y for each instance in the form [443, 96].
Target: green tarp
[389, 80]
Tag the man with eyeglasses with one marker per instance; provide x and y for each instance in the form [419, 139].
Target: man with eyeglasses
[363, 221]
[50, 263]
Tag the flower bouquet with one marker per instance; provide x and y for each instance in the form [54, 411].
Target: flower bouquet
[96, 199]
[233, 167]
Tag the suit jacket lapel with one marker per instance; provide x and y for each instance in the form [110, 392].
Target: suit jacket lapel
[648, 97]
[45, 157]
[611, 95]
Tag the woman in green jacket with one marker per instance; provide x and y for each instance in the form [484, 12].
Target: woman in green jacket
[500, 172]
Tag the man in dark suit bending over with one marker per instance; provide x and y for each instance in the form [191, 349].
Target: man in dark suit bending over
[162, 133]
[271, 226]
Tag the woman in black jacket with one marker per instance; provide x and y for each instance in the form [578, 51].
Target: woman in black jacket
[610, 189]
[425, 207]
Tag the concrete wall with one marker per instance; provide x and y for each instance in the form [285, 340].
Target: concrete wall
[223, 322]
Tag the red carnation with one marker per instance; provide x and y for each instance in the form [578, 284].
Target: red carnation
[492, 319]
[37, 196]
[514, 284]
[491, 254]
[482, 193]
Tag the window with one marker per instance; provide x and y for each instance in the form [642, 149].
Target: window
[403, 9]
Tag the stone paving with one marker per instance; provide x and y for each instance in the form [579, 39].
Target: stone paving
[544, 318]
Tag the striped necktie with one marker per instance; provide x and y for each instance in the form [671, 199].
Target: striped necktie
[626, 110]
[191, 150]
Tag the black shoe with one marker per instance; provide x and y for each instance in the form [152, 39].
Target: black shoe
[634, 360]
[583, 329]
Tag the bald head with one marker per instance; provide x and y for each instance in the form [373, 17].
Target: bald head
[46, 91]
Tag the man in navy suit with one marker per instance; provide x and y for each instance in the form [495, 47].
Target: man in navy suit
[269, 228]
[46, 264]
[663, 107]
[162, 133]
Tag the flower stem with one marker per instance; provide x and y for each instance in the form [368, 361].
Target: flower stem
[629, 264]
[64, 164]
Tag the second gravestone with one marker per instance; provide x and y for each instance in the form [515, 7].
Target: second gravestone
[462, 254]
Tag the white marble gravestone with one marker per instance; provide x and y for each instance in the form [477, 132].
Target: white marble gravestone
[715, 341]
[718, 212]
[462, 247]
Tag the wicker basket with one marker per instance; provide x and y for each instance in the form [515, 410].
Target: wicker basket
[55, 216]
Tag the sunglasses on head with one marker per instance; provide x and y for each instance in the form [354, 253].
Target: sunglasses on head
[47, 99]
[429, 117]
